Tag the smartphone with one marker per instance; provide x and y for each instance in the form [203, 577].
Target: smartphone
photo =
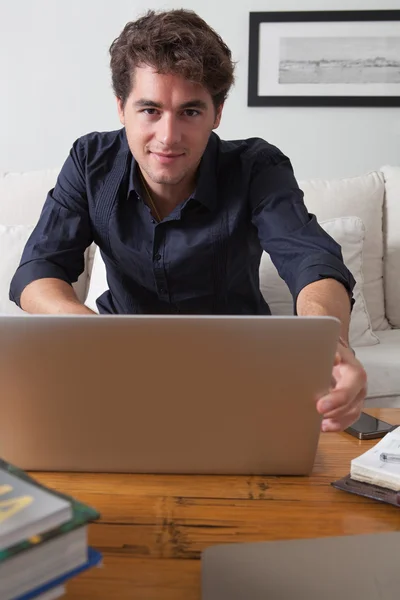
[369, 428]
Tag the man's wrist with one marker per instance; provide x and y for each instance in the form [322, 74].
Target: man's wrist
[343, 342]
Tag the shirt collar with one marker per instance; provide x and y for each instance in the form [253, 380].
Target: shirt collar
[206, 187]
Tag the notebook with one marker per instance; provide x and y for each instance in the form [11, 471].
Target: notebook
[380, 465]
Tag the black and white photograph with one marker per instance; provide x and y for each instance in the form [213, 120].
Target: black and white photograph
[330, 58]
[360, 60]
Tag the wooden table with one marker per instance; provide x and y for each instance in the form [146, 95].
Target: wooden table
[153, 528]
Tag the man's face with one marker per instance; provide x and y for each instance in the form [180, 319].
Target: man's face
[168, 121]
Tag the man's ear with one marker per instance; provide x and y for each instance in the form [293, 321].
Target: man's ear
[218, 116]
[120, 109]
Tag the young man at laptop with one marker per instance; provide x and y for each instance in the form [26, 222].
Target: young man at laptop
[182, 217]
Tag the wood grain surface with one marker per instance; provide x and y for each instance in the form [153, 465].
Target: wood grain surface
[153, 528]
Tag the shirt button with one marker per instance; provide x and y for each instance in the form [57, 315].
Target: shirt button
[162, 291]
[157, 257]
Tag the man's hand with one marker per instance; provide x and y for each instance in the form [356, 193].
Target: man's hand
[343, 404]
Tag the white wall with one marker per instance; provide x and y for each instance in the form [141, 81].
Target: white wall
[55, 86]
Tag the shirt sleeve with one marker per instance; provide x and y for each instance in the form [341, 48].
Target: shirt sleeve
[300, 249]
[57, 245]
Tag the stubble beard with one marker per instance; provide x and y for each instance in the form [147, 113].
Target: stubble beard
[165, 179]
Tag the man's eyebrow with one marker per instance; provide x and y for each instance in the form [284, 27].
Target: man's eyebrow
[148, 103]
[195, 103]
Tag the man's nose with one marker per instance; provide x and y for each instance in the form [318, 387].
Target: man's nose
[169, 131]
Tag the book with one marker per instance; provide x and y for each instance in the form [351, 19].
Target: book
[35, 560]
[372, 468]
[94, 559]
[81, 515]
[52, 594]
[26, 509]
[30, 570]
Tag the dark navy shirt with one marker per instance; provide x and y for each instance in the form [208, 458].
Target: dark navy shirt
[204, 257]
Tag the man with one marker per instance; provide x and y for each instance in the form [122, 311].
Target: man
[182, 217]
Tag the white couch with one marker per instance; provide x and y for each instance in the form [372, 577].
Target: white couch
[370, 243]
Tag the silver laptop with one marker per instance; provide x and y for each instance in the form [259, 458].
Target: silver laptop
[357, 567]
[164, 394]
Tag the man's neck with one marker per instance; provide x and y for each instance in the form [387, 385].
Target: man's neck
[171, 195]
[167, 196]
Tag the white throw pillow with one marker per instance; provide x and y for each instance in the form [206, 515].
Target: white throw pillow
[360, 197]
[349, 232]
[392, 244]
[12, 241]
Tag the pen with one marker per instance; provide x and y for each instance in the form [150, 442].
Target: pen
[387, 457]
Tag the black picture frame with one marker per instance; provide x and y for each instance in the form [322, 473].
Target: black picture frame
[257, 18]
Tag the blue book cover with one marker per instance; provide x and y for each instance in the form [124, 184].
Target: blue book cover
[94, 559]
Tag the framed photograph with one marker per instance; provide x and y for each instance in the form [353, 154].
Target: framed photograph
[324, 58]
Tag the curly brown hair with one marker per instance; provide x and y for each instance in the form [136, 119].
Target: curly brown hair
[174, 41]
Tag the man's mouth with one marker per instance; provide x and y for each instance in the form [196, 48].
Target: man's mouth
[166, 157]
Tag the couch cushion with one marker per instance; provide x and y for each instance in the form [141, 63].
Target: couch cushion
[382, 364]
[12, 241]
[349, 232]
[22, 195]
[391, 217]
[362, 197]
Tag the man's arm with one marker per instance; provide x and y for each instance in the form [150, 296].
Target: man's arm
[52, 296]
[343, 404]
[302, 252]
[53, 257]
[311, 264]
[326, 297]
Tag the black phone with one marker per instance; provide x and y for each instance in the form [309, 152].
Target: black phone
[369, 428]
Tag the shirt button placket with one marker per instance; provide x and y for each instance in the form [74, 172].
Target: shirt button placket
[158, 267]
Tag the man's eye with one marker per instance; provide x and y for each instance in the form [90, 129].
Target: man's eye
[150, 111]
[191, 112]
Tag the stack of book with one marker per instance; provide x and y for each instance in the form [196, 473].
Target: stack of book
[380, 465]
[43, 538]
[376, 473]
